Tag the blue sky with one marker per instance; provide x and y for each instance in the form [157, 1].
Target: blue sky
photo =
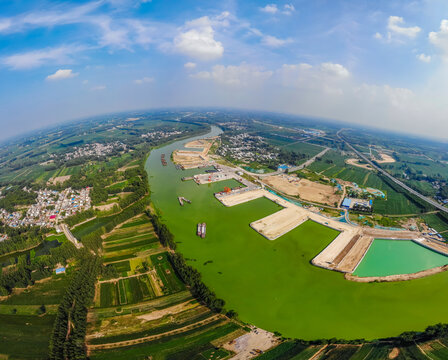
[380, 63]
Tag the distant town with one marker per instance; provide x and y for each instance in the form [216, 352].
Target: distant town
[50, 207]
[92, 150]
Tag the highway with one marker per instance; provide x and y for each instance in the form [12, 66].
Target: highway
[396, 181]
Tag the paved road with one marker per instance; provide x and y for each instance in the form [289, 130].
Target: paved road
[396, 181]
[308, 162]
[290, 170]
[70, 236]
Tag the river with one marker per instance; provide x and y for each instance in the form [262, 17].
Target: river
[271, 283]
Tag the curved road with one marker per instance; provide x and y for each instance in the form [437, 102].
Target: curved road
[396, 181]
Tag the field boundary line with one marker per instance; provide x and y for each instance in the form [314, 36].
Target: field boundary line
[123, 277]
[421, 350]
[123, 343]
[317, 355]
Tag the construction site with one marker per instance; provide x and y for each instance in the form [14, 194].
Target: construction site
[191, 159]
[343, 254]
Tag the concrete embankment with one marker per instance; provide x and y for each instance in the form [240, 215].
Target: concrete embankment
[400, 277]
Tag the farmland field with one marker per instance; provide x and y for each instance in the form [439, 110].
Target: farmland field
[108, 294]
[49, 291]
[166, 273]
[182, 346]
[90, 226]
[122, 266]
[25, 337]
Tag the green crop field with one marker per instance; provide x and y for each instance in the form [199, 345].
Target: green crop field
[437, 351]
[304, 148]
[122, 266]
[271, 283]
[286, 350]
[146, 288]
[108, 294]
[148, 237]
[119, 185]
[177, 347]
[122, 292]
[166, 273]
[129, 331]
[140, 221]
[47, 292]
[214, 354]
[90, 226]
[135, 245]
[436, 222]
[25, 337]
[130, 252]
[340, 352]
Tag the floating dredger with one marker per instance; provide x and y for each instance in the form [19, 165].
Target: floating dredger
[162, 159]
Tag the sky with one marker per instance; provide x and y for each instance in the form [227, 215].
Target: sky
[380, 63]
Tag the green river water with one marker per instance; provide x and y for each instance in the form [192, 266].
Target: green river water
[271, 283]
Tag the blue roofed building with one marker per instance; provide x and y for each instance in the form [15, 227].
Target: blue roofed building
[282, 168]
[346, 203]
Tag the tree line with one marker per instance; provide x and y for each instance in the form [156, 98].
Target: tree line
[28, 268]
[17, 196]
[165, 236]
[69, 330]
[21, 238]
[192, 278]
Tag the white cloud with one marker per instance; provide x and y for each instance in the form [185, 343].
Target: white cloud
[98, 88]
[58, 15]
[144, 80]
[62, 74]
[424, 58]
[197, 40]
[378, 36]
[395, 28]
[288, 9]
[440, 38]
[113, 35]
[334, 69]
[5, 24]
[270, 9]
[36, 58]
[328, 78]
[273, 41]
[189, 65]
[240, 75]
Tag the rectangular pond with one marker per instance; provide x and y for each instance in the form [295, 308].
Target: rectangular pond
[393, 257]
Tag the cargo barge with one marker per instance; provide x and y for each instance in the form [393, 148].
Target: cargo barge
[182, 200]
[201, 230]
[163, 160]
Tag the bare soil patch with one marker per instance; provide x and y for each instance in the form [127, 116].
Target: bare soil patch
[394, 353]
[385, 158]
[168, 311]
[58, 180]
[355, 162]
[256, 339]
[305, 189]
[105, 207]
